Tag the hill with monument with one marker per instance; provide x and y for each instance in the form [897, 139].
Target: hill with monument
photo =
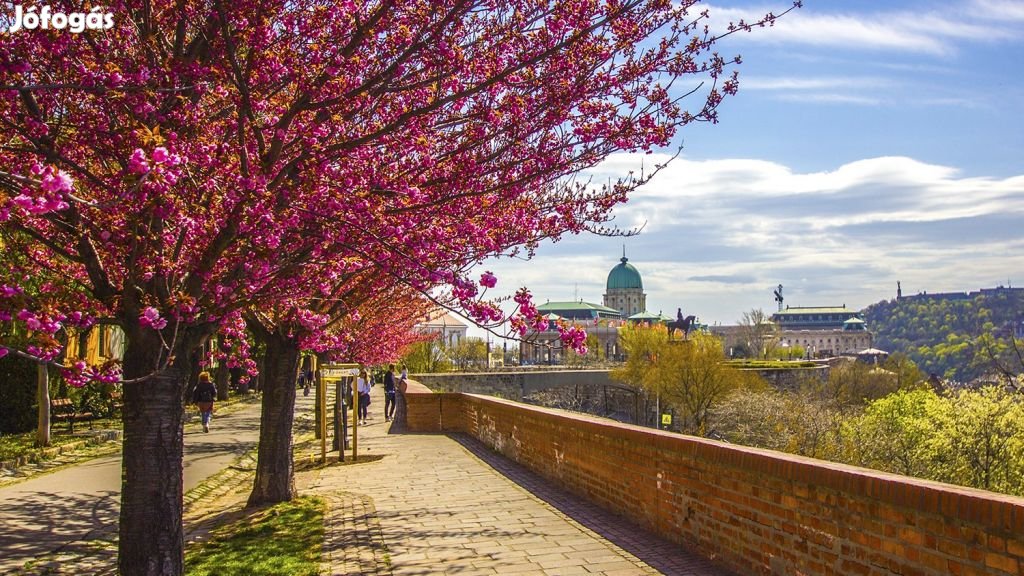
[960, 336]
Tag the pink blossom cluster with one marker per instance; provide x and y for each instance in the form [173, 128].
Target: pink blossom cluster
[150, 318]
[235, 347]
[49, 195]
[38, 323]
[488, 279]
[526, 317]
[80, 374]
[573, 337]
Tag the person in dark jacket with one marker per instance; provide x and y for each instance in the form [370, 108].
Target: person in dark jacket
[389, 393]
[203, 396]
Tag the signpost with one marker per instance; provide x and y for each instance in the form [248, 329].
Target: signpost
[333, 372]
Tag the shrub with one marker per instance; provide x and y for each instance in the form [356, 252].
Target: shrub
[17, 395]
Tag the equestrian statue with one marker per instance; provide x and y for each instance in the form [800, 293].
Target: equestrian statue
[680, 323]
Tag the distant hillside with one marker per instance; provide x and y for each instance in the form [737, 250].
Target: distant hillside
[953, 335]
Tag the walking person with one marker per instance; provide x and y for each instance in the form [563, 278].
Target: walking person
[203, 396]
[363, 387]
[389, 393]
[399, 411]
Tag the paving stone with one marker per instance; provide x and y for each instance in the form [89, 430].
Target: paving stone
[444, 504]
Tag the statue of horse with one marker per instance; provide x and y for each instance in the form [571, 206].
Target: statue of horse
[680, 323]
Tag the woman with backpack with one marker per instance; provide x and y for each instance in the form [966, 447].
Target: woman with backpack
[203, 396]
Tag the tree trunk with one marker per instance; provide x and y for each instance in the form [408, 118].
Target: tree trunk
[223, 381]
[151, 539]
[260, 372]
[195, 367]
[275, 471]
[43, 395]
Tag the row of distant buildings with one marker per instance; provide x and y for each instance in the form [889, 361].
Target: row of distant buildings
[819, 331]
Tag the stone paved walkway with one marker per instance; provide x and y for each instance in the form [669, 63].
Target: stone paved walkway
[418, 505]
[436, 504]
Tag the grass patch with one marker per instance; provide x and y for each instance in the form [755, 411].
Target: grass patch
[24, 443]
[283, 539]
[772, 364]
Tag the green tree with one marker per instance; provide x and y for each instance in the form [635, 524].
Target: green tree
[958, 338]
[759, 336]
[855, 383]
[984, 434]
[905, 371]
[896, 433]
[692, 376]
[641, 345]
[467, 353]
[426, 357]
[689, 375]
[798, 423]
[969, 437]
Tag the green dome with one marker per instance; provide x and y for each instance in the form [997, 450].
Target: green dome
[624, 276]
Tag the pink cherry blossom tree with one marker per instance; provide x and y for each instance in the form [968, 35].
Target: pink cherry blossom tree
[197, 158]
[367, 321]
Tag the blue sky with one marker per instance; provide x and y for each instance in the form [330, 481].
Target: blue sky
[871, 142]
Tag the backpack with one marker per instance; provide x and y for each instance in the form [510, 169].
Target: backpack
[205, 393]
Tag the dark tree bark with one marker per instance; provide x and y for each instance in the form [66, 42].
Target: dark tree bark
[151, 541]
[43, 397]
[275, 471]
[223, 381]
[195, 368]
[261, 368]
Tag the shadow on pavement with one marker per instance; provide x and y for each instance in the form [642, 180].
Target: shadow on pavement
[663, 555]
[42, 524]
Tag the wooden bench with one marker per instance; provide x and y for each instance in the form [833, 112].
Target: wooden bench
[64, 409]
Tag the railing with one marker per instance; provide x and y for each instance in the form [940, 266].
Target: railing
[759, 511]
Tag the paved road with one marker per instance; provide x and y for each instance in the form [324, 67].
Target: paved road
[62, 510]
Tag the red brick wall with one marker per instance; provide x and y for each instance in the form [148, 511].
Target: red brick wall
[430, 412]
[761, 512]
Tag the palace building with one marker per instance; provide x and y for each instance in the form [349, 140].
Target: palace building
[823, 331]
[624, 299]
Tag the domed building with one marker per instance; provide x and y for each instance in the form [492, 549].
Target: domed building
[624, 297]
[625, 289]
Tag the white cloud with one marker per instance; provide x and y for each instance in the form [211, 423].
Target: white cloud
[833, 98]
[935, 32]
[826, 89]
[886, 189]
[721, 233]
[829, 83]
[998, 9]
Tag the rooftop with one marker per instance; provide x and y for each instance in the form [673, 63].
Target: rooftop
[816, 310]
[646, 316]
[574, 305]
[441, 317]
[624, 276]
